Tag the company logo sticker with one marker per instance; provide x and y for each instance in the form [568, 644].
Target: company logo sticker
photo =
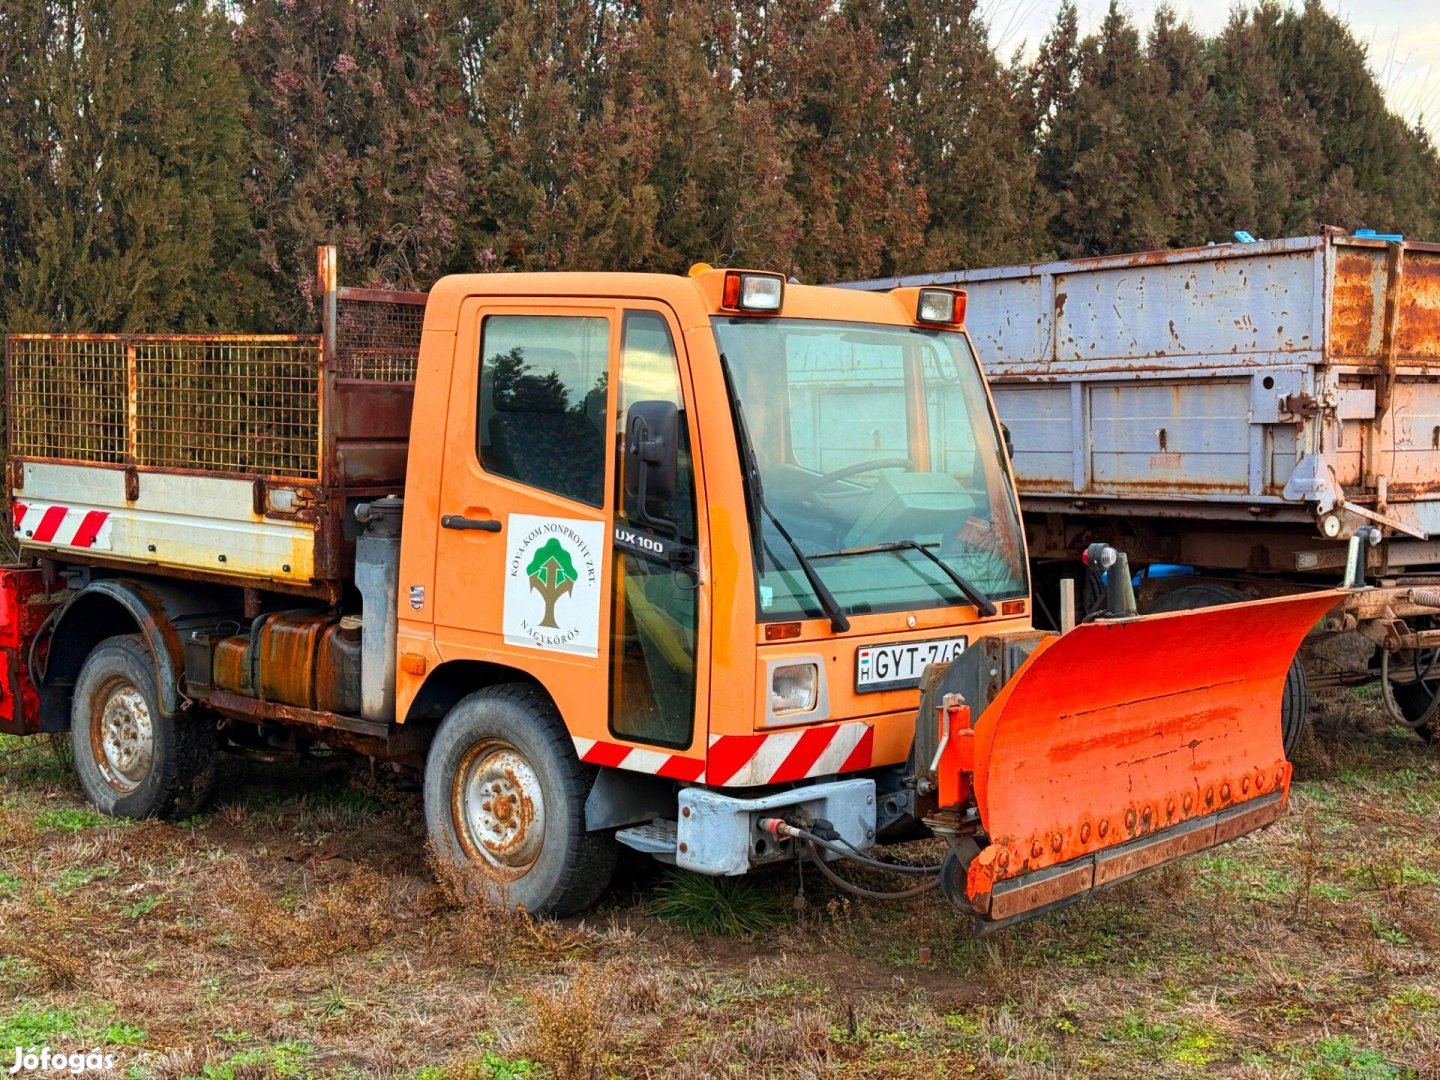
[552, 584]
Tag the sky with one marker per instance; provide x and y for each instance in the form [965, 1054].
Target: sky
[1402, 36]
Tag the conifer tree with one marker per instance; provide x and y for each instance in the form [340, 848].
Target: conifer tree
[957, 108]
[1328, 148]
[121, 158]
[359, 135]
[822, 73]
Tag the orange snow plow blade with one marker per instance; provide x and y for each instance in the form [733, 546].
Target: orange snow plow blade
[1124, 744]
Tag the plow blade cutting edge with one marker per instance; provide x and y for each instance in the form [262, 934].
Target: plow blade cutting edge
[1121, 745]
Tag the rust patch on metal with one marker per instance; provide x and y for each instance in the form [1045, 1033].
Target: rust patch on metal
[230, 665]
[1257, 813]
[385, 742]
[1419, 330]
[1352, 317]
[1118, 864]
[285, 658]
[1007, 901]
[996, 899]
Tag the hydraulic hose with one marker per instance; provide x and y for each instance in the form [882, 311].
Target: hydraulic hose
[817, 844]
[783, 828]
[37, 677]
[859, 890]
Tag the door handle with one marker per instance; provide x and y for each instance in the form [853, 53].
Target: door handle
[460, 521]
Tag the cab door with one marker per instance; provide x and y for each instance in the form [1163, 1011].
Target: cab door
[523, 548]
[660, 601]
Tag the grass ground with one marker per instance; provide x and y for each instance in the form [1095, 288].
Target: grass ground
[295, 931]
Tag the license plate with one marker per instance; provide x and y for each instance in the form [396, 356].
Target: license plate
[899, 666]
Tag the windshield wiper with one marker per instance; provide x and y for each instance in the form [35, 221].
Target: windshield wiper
[838, 622]
[970, 592]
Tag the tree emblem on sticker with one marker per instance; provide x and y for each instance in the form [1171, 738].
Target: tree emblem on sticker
[552, 575]
[552, 583]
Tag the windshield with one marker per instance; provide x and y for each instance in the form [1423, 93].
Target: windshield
[875, 450]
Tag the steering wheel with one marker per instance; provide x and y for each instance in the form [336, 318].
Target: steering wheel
[834, 476]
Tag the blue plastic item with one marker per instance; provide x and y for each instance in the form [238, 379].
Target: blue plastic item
[1371, 234]
[1244, 237]
[1157, 570]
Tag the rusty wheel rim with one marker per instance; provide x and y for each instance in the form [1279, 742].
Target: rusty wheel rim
[122, 736]
[499, 808]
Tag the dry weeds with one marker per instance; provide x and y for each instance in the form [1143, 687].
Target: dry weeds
[297, 931]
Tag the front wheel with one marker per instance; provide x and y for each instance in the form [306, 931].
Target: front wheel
[505, 793]
[133, 761]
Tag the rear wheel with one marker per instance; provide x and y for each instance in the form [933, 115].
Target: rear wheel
[132, 760]
[1410, 685]
[505, 793]
[1295, 704]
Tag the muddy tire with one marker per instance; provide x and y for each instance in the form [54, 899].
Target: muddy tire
[132, 761]
[505, 793]
[1295, 704]
[1412, 695]
[1414, 702]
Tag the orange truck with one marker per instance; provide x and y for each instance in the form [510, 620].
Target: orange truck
[723, 568]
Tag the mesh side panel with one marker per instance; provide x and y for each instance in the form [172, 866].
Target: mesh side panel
[228, 406]
[378, 340]
[246, 405]
[67, 398]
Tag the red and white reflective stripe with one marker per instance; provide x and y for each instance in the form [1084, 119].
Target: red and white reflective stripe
[636, 759]
[65, 526]
[747, 760]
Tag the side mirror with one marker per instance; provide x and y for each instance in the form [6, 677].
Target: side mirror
[652, 455]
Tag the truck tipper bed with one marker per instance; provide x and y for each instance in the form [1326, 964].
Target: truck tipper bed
[229, 458]
[1235, 412]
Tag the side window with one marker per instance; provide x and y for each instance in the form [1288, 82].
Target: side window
[542, 402]
[652, 684]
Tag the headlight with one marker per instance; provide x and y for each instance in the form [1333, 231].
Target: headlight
[794, 689]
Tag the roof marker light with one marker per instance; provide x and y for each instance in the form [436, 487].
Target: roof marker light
[945, 307]
[753, 292]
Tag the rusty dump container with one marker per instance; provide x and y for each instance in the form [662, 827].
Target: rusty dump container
[1294, 382]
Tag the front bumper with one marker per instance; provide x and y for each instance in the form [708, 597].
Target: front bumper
[720, 834]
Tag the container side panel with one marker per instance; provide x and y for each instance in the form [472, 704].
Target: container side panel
[1039, 419]
[1347, 455]
[1139, 316]
[1411, 463]
[1009, 321]
[1283, 456]
[1171, 437]
[228, 405]
[1419, 330]
[1357, 306]
[186, 522]
[67, 397]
